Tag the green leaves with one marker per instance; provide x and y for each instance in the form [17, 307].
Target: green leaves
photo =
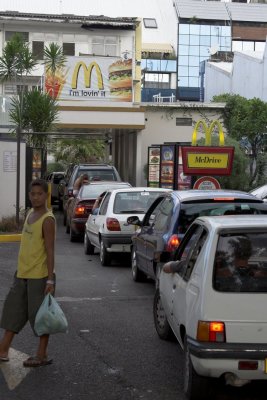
[54, 57]
[246, 119]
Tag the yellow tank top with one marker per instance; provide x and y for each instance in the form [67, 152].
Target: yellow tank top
[32, 255]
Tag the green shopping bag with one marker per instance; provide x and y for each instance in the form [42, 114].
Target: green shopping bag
[50, 318]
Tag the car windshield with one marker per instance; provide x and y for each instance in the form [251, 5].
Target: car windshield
[93, 191]
[240, 263]
[131, 202]
[190, 211]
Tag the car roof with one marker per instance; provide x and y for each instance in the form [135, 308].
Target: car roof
[196, 194]
[235, 221]
[93, 166]
[108, 183]
[141, 189]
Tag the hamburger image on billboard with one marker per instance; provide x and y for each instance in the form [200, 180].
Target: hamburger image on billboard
[120, 80]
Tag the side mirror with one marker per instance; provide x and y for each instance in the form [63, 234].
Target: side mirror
[134, 220]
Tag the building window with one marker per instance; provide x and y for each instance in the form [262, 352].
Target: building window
[184, 122]
[10, 34]
[150, 23]
[196, 43]
[158, 81]
[69, 49]
[38, 50]
[104, 45]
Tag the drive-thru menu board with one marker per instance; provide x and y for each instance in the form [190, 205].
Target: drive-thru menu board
[153, 166]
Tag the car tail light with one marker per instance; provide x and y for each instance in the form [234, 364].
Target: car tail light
[224, 199]
[80, 210]
[113, 224]
[173, 243]
[213, 331]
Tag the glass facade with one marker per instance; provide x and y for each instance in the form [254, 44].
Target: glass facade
[195, 44]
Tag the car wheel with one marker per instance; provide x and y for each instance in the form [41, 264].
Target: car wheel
[64, 218]
[88, 247]
[160, 320]
[105, 257]
[196, 387]
[138, 276]
[73, 237]
[60, 205]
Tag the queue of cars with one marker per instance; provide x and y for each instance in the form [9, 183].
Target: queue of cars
[167, 220]
[214, 306]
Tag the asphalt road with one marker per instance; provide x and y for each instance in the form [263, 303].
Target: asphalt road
[111, 351]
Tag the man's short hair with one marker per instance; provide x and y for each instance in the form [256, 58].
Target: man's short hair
[39, 182]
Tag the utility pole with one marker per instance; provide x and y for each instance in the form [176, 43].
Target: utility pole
[18, 132]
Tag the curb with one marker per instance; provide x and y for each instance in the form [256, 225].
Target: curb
[10, 238]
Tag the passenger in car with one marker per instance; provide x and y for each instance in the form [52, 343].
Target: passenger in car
[83, 179]
[234, 270]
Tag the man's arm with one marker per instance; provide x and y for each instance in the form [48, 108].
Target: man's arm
[171, 267]
[49, 228]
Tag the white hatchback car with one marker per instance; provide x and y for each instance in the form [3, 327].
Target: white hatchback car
[108, 230]
[213, 298]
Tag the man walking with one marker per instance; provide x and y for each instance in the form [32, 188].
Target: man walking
[34, 277]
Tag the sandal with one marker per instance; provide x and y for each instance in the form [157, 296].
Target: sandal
[4, 359]
[36, 362]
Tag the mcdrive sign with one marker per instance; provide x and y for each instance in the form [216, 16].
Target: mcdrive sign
[208, 160]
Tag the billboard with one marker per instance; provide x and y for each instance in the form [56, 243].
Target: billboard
[92, 78]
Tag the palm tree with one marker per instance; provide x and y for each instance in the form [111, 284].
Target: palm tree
[54, 61]
[17, 62]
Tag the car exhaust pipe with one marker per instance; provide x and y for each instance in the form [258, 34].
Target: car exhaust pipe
[233, 380]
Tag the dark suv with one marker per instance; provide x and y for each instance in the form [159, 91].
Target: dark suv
[95, 172]
[168, 218]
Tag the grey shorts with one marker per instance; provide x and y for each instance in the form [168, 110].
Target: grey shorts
[22, 303]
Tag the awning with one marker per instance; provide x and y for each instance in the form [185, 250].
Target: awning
[157, 47]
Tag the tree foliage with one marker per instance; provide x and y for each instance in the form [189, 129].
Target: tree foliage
[17, 61]
[246, 121]
[239, 178]
[69, 151]
[40, 112]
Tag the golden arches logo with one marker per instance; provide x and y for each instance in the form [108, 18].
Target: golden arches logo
[208, 131]
[87, 72]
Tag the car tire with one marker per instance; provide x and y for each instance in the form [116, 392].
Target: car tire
[137, 275]
[64, 218]
[196, 387]
[105, 257]
[73, 237]
[88, 247]
[160, 320]
[67, 227]
[60, 205]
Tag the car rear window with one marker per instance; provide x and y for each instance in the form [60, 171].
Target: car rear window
[131, 202]
[191, 210]
[241, 262]
[98, 175]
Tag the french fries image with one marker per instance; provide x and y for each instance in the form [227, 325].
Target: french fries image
[54, 82]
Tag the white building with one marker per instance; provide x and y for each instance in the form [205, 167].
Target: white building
[246, 76]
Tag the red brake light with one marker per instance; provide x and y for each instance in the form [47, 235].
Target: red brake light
[213, 331]
[173, 243]
[224, 199]
[113, 224]
[80, 210]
